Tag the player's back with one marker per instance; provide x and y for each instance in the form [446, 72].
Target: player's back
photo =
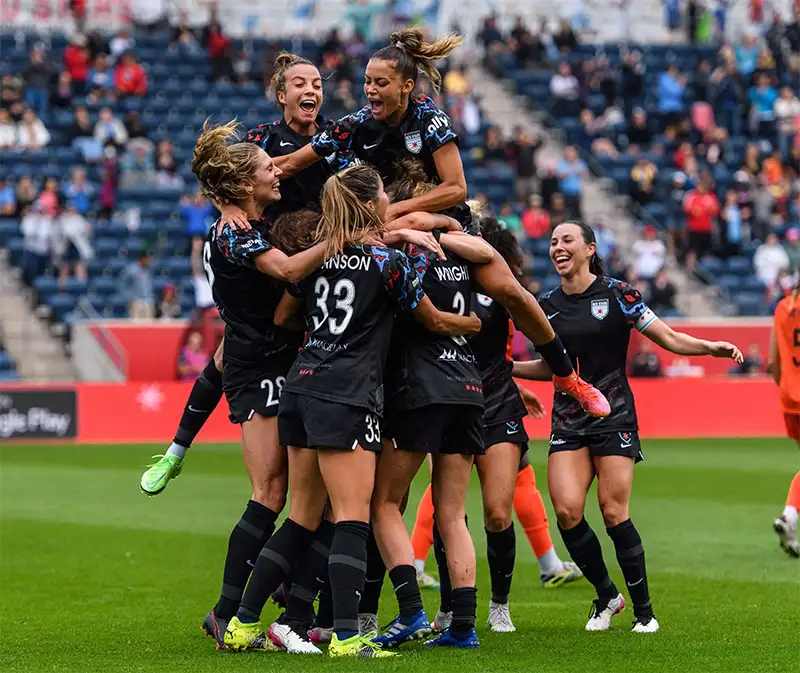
[787, 335]
[349, 315]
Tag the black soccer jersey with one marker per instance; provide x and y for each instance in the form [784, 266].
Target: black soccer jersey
[245, 297]
[501, 398]
[594, 327]
[423, 130]
[349, 305]
[435, 369]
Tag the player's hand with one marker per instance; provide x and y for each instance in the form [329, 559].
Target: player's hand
[424, 239]
[234, 217]
[532, 403]
[723, 349]
[474, 326]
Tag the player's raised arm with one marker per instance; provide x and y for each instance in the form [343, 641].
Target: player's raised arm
[684, 344]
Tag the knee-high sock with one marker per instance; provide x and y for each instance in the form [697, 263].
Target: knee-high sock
[373, 582]
[347, 566]
[422, 535]
[203, 399]
[584, 548]
[501, 552]
[445, 588]
[246, 541]
[630, 556]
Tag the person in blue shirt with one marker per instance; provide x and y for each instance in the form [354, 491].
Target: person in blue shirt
[747, 55]
[762, 98]
[671, 89]
[79, 192]
[571, 171]
[197, 213]
[8, 200]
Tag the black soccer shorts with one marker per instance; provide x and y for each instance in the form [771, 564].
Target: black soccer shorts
[512, 432]
[313, 423]
[439, 428]
[625, 443]
[255, 387]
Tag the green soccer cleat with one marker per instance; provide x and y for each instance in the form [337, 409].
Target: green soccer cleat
[568, 572]
[360, 647]
[250, 637]
[157, 475]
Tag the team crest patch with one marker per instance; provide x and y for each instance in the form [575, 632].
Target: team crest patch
[483, 300]
[599, 308]
[414, 142]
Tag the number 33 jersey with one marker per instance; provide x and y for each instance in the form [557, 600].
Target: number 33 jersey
[349, 307]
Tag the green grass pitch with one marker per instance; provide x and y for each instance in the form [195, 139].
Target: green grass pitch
[98, 577]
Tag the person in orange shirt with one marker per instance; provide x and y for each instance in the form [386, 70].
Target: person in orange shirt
[784, 364]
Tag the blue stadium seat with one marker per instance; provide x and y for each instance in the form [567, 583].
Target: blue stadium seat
[739, 265]
[752, 304]
[61, 304]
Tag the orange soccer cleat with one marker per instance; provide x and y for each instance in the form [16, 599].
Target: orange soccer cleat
[590, 398]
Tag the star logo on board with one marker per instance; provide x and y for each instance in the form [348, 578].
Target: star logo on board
[150, 398]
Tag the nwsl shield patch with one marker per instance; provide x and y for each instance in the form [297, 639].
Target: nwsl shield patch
[483, 300]
[599, 308]
[414, 142]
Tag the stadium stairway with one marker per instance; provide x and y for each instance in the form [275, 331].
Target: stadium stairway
[503, 108]
[39, 354]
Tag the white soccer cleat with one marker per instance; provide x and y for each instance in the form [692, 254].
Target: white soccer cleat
[367, 622]
[500, 618]
[787, 533]
[442, 621]
[285, 637]
[601, 614]
[645, 625]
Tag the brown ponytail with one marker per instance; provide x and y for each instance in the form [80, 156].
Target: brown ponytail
[412, 54]
[347, 214]
[413, 181]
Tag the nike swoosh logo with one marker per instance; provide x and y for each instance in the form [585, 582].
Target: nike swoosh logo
[550, 317]
[285, 144]
[635, 583]
[511, 432]
[400, 587]
[196, 411]
[369, 147]
[250, 563]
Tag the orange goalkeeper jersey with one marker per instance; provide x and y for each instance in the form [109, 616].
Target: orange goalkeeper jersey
[787, 335]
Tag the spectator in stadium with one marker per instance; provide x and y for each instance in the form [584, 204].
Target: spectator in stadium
[197, 213]
[490, 36]
[169, 304]
[129, 77]
[456, 82]
[109, 130]
[183, 40]
[701, 207]
[643, 179]
[101, 81]
[793, 40]
[732, 231]
[38, 235]
[792, 247]
[662, 294]
[673, 20]
[107, 195]
[362, 13]
[591, 137]
[31, 132]
[639, 133]
[78, 191]
[61, 96]
[8, 131]
[49, 198]
[77, 62]
[523, 150]
[700, 82]
[787, 109]
[494, 149]
[727, 94]
[138, 166]
[510, 220]
[167, 166]
[120, 43]
[11, 96]
[135, 126]
[136, 284]
[671, 91]
[565, 39]
[26, 194]
[8, 199]
[97, 44]
[753, 363]
[606, 240]
[536, 220]
[37, 77]
[762, 97]
[650, 253]
[218, 47]
[558, 210]
[343, 99]
[646, 364]
[193, 357]
[81, 125]
[769, 260]
[747, 55]
[571, 171]
[75, 234]
[565, 91]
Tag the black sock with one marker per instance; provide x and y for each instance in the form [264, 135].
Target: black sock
[244, 544]
[324, 618]
[584, 548]
[347, 566]
[465, 605]
[445, 588]
[206, 394]
[272, 567]
[555, 355]
[404, 581]
[630, 556]
[299, 613]
[373, 583]
[501, 552]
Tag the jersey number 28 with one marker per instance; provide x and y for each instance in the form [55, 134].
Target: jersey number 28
[344, 293]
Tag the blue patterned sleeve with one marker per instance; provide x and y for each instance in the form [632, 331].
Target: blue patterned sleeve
[637, 314]
[242, 247]
[399, 278]
[437, 128]
[337, 137]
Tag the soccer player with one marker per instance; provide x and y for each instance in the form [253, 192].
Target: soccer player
[784, 364]
[297, 86]
[594, 315]
[395, 125]
[332, 402]
[246, 275]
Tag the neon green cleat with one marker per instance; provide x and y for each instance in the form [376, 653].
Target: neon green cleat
[568, 572]
[157, 475]
[360, 647]
[250, 637]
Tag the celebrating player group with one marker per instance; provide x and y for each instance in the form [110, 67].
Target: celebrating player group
[367, 310]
